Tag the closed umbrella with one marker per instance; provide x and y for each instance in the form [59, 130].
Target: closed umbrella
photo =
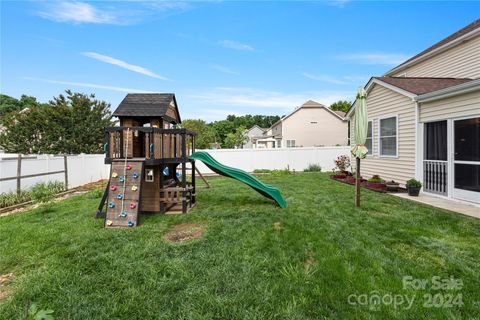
[359, 151]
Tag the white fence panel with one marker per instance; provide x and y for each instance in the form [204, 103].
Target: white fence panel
[281, 158]
[82, 169]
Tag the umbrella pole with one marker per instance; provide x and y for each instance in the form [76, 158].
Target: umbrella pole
[357, 184]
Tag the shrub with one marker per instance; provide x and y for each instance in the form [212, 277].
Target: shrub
[313, 168]
[281, 172]
[375, 179]
[262, 171]
[41, 193]
[414, 183]
[342, 162]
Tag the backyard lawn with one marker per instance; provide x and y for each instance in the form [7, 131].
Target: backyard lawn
[319, 258]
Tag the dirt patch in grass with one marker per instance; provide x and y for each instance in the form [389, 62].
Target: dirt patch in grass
[4, 280]
[184, 232]
[309, 262]
[100, 184]
[277, 226]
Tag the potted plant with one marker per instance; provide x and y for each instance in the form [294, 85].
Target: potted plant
[392, 186]
[375, 182]
[413, 187]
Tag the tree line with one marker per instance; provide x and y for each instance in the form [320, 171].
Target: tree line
[74, 123]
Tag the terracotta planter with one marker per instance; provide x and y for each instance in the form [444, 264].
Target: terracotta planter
[413, 191]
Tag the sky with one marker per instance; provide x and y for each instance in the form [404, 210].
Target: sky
[218, 57]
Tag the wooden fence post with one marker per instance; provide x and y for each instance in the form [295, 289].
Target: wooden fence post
[19, 174]
[65, 168]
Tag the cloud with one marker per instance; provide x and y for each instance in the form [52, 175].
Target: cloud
[77, 13]
[335, 80]
[123, 64]
[223, 69]
[235, 45]
[88, 85]
[256, 99]
[118, 13]
[374, 58]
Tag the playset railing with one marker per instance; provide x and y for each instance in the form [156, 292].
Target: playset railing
[148, 143]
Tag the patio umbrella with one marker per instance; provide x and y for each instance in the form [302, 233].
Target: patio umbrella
[359, 151]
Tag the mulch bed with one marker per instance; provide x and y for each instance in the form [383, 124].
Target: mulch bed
[362, 184]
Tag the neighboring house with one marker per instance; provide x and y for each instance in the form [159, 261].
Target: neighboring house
[253, 134]
[424, 118]
[310, 125]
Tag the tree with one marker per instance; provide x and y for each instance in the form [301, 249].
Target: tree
[205, 134]
[236, 139]
[9, 104]
[71, 123]
[341, 105]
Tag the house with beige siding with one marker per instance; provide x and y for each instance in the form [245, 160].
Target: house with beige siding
[424, 119]
[310, 125]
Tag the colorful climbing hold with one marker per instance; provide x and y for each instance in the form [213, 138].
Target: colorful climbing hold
[113, 188]
[109, 222]
[123, 214]
[120, 196]
[134, 188]
[128, 167]
[121, 179]
[178, 174]
[111, 204]
[114, 174]
[131, 223]
[135, 175]
[133, 205]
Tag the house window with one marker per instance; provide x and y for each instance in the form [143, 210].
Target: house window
[369, 140]
[149, 175]
[290, 143]
[388, 136]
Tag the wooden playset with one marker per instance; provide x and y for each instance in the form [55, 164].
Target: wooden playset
[148, 156]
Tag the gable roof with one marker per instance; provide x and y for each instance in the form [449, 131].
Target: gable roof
[311, 104]
[147, 105]
[422, 85]
[448, 41]
[411, 86]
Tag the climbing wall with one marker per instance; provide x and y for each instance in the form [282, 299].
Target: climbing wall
[124, 194]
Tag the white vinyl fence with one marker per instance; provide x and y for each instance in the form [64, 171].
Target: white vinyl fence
[281, 158]
[81, 169]
[85, 168]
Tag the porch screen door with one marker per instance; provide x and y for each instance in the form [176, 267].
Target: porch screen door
[467, 159]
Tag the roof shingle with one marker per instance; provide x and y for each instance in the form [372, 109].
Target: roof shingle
[145, 105]
[418, 85]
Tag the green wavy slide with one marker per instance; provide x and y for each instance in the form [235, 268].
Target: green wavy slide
[240, 175]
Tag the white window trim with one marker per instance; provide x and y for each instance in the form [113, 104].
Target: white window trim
[146, 175]
[294, 143]
[373, 148]
[379, 136]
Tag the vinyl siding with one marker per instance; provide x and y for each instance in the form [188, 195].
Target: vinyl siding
[381, 103]
[314, 126]
[464, 105]
[461, 61]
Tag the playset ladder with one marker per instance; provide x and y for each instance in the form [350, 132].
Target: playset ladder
[124, 193]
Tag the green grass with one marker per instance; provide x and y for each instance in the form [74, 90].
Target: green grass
[243, 267]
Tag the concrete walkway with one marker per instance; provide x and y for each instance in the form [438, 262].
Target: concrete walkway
[442, 203]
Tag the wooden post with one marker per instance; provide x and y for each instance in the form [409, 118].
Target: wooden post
[357, 183]
[65, 168]
[184, 188]
[193, 182]
[19, 174]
